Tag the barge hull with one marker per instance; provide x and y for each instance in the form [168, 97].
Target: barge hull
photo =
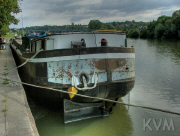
[38, 73]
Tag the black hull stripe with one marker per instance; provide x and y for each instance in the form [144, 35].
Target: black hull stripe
[82, 51]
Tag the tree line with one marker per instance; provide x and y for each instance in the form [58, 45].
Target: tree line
[165, 27]
[93, 25]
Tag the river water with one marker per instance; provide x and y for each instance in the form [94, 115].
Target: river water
[157, 85]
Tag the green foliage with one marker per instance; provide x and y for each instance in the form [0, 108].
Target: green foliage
[75, 27]
[173, 31]
[5, 114]
[5, 73]
[162, 19]
[144, 33]
[176, 21]
[95, 24]
[8, 35]
[179, 34]
[176, 14]
[6, 18]
[5, 82]
[164, 28]
[5, 99]
[133, 33]
[159, 31]
[5, 109]
[110, 26]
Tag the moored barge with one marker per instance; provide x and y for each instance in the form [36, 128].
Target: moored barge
[97, 64]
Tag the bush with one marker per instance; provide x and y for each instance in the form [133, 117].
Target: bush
[134, 33]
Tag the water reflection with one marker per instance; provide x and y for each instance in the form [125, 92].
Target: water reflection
[156, 84]
[167, 47]
[118, 123]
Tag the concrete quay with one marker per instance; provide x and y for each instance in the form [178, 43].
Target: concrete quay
[15, 115]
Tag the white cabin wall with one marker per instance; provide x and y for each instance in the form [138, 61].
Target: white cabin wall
[39, 45]
[33, 47]
[64, 41]
[49, 44]
[113, 40]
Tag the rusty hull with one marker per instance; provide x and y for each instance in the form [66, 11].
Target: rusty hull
[116, 77]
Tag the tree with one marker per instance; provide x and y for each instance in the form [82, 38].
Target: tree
[110, 26]
[95, 24]
[167, 32]
[115, 24]
[168, 22]
[174, 32]
[162, 19]
[176, 14]
[133, 33]
[151, 28]
[144, 33]
[133, 21]
[179, 34]
[6, 18]
[159, 30]
[176, 21]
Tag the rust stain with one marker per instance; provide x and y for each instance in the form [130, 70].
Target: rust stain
[69, 74]
[122, 62]
[115, 63]
[101, 64]
[69, 67]
[111, 64]
[61, 75]
[77, 72]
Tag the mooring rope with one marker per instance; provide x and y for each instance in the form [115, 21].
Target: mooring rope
[85, 96]
[91, 97]
[23, 63]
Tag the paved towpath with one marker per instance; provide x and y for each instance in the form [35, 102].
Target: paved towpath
[15, 115]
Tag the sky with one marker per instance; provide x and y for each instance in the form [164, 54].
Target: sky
[64, 12]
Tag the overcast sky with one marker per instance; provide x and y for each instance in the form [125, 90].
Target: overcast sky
[61, 12]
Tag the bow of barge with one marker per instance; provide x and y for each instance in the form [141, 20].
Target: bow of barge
[94, 64]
